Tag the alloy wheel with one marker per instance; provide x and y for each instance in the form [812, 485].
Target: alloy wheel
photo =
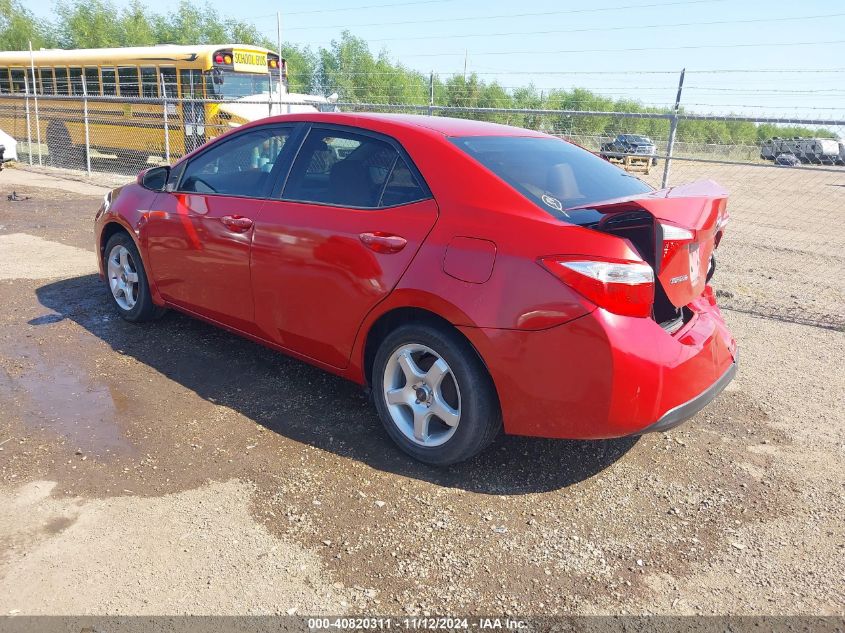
[123, 277]
[422, 395]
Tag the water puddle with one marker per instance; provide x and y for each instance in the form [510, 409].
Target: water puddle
[65, 400]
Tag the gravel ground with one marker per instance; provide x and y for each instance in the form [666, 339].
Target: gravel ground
[192, 471]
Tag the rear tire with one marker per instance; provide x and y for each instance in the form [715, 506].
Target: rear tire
[434, 395]
[127, 280]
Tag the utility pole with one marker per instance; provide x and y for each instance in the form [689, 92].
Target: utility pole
[673, 128]
[431, 94]
[279, 41]
[466, 56]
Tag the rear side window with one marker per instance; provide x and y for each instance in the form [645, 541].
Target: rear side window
[350, 170]
[240, 166]
[553, 174]
[4, 80]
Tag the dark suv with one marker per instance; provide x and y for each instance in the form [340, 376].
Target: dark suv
[629, 145]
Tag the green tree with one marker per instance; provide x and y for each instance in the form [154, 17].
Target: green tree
[18, 27]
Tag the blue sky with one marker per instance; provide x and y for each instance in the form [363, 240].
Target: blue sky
[594, 45]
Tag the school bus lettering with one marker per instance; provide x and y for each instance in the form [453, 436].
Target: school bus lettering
[249, 61]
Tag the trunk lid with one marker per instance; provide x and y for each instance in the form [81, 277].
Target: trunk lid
[675, 230]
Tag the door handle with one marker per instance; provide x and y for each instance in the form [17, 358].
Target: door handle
[236, 223]
[381, 242]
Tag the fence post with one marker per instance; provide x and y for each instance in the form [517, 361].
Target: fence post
[35, 100]
[166, 130]
[85, 121]
[673, 128]
[431, 94]
[28, 127]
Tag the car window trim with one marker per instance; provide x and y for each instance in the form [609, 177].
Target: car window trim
[387, 180]
[294, 127]
[396, 145]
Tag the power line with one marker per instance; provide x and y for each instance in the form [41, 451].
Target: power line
[627, 50]
[339, 10]
[476, 18]
[603, 72]
[609, 28]
[370, 6]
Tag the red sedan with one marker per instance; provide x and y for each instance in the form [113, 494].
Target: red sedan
[474, 276]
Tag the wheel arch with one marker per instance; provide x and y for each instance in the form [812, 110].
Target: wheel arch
[111, 227]
[397, 316]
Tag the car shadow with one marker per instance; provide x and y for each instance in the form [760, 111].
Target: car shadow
[308, 405]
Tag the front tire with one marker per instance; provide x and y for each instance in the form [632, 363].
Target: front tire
[127, 280]
[434, 395]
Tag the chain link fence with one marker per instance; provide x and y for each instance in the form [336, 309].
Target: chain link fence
[783, 253]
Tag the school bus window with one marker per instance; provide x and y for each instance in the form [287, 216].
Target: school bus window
[128, 79]
[191, 82]
[149, 81]
[109, 81]
[48, 85]
[75, 73]
[92, 80]
[19, 83]
[168, 75]
[4, 80]
[61, 81]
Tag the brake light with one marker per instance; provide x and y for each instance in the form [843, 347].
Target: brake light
[675, 238]
[621, 287]
[218, 59]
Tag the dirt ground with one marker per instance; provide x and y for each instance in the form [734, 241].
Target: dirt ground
[173, 468]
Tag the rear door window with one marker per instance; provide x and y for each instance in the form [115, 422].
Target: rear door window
[342, 168]
[552, 173]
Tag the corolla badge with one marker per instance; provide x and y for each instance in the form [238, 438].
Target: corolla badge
[678, 279]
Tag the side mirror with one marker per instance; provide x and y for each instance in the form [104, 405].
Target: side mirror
[217, 76]
[154, 178]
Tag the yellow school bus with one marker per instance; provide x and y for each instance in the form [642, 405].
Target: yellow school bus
[141, 101]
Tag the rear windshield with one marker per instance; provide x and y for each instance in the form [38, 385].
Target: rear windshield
[553, 174]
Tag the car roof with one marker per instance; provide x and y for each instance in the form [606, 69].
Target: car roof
[445, 126]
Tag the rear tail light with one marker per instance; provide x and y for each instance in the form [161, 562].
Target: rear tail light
[621, 287]
[675, 238]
